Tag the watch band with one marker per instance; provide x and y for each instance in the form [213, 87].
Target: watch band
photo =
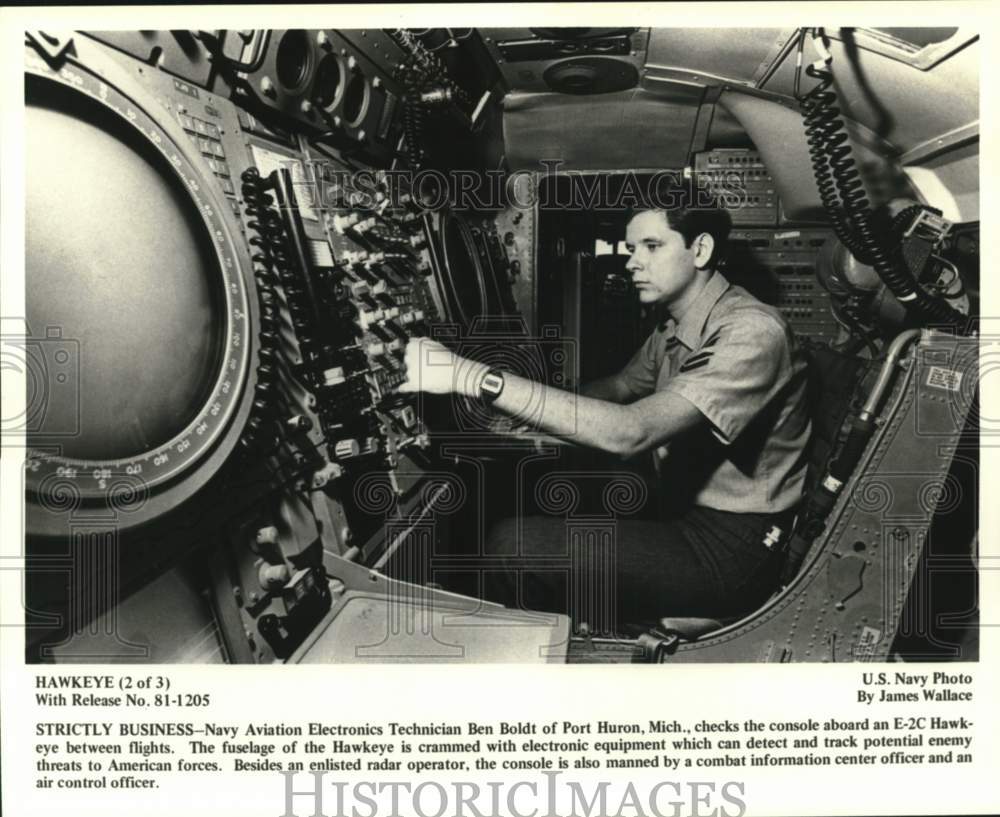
[491, 386]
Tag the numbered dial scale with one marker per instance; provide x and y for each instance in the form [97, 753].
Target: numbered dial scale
[149, 295]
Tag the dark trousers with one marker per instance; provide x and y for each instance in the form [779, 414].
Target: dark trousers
[618, 574]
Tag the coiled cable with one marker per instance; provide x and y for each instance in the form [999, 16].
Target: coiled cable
[826, 134]
[845, 201]
[420, 71]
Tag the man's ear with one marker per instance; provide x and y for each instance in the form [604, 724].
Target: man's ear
[704, 246]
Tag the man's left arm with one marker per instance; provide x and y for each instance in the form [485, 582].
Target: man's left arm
[624, 430]
[731, 379]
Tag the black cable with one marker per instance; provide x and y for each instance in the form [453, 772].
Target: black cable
[798, 62]
[863, 335]
[846, 203]
[826, 136]
[420, 71]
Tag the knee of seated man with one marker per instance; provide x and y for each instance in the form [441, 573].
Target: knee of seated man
[527, 536]
[502, 538]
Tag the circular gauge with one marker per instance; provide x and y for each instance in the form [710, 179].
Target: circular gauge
[97, 274]
[356, 100]
[464, 278]
[329, 83]
[293, 59]
[591, 75]
[139, 320]
[603, 46]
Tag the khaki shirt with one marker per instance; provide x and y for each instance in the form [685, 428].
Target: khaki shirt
[735, 359]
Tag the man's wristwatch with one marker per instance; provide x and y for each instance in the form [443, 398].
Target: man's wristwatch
[491, 386]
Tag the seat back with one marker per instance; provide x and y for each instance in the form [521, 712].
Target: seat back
[837, 389]
[834, 380]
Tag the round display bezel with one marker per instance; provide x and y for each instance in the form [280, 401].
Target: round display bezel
[50, 475]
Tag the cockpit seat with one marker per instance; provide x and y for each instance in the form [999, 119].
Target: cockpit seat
[836, 385]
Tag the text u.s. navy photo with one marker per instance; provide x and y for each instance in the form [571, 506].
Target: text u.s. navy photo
[502, 345]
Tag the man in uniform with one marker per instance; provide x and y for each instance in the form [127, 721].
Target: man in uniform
[717, 392]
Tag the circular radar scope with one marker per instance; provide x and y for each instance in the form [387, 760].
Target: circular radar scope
[139, 321]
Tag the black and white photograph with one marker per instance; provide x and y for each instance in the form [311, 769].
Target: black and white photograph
[452, 345]
[365, 367]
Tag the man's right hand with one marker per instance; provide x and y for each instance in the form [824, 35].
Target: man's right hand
[433, 368]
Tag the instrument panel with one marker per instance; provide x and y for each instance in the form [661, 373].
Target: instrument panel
[253, 371]
[324, 83]
[255, 267]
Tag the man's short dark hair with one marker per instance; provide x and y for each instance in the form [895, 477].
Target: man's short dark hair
[690, 211]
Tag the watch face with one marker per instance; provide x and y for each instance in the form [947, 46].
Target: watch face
[492, 385]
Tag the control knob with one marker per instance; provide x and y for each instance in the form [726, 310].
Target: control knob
[299, 422]
[267, 535]
[273, 577]
[343, 222]
[346, 449]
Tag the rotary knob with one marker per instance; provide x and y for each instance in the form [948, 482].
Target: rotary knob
[299, 422]
[273, 577]
[346, 449]
[342, 223]
[364, 226]
[267, 535]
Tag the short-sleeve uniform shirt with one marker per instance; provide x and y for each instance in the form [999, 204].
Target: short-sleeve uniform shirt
[735, 359]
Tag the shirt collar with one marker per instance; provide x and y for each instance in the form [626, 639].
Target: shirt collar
[689, 327]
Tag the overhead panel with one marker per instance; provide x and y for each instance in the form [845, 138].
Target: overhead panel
[527, 58]
[921, 47]
[878, 91]
[717, 52]
[951, 181]
[630, 129]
